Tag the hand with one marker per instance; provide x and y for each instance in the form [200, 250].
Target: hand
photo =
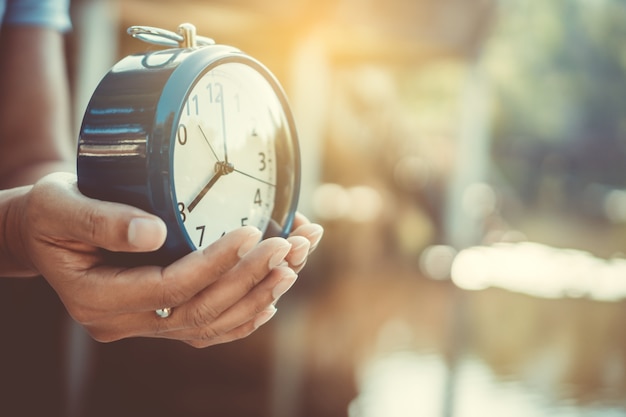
[217, 295]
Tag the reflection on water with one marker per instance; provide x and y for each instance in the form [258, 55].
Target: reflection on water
[406, 384]
[541, 270]
[401, 384]
[547, 341]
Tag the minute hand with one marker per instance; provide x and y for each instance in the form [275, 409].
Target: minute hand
[224, 129]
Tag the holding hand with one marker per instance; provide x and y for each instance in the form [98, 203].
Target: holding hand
[218, 294]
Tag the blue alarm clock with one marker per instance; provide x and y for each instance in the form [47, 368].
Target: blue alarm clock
[199, 134]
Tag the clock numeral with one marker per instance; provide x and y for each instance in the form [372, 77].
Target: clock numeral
[181, 210]
[257, 197]
[244, 221]
[201, 229]
[182, 134]
[195, 106]
[215, 92]
[262, 161]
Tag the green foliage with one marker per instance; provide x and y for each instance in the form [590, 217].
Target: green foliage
[559, 69]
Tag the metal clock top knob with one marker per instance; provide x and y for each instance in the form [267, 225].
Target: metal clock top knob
[185, 38]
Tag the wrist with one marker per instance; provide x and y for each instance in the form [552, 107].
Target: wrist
[14, 260]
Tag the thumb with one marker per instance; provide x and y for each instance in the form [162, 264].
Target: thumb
[146, 233]
[112, 226]
[117, 227]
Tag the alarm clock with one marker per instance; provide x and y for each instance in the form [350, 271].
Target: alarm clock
[197, 133]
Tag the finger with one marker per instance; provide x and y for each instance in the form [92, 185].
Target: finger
[237, 333]
[214, 300]
[115, 332]
[311, 231]
[248, 309]
[299, 252]
[299, 220]
[257, 300]
[107, 291]
[112, 226]
[240, 332]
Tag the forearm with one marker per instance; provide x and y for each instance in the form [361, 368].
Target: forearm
[35, 136]
[13, 255]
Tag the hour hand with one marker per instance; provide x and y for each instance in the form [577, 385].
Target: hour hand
[221, 168]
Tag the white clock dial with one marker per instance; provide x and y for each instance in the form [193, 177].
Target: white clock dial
[224, 166]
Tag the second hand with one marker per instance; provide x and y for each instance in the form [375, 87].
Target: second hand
[208, 143]
[254, 178]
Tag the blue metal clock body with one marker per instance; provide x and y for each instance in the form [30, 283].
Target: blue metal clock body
[153, 106]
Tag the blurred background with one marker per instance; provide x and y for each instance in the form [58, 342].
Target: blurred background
[467, 160]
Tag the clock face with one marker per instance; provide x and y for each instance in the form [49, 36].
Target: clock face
[224, 160]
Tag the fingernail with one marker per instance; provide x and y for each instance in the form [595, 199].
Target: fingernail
[264, 316]
[299, 250]
[147, 234]
[289, 277]
[280, 254]
[251, 241]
